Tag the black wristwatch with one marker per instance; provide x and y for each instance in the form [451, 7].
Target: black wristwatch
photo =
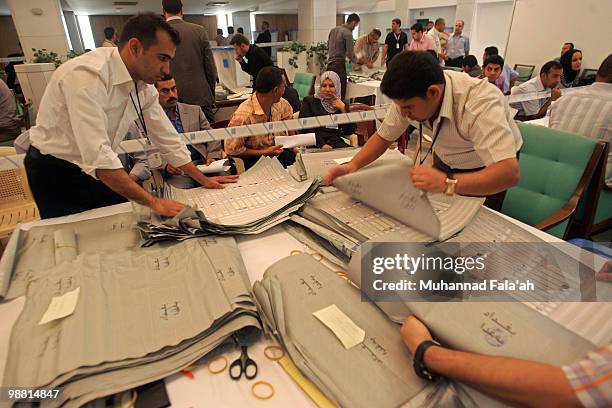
[419, 366]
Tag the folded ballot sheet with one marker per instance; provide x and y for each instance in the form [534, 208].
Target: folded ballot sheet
[102, 323]
[264, 196]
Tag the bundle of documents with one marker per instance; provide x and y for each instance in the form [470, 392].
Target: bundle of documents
[30, 254]
[264, 196]
[218, 166]
[347, 347]
[100, 323]
[380, 198]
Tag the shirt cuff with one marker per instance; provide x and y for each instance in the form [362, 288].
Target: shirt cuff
[141, 171]
[388, 133]
[106, 159]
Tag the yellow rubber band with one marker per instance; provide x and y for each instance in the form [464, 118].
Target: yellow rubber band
[272, 357]
[221, 369]
[315, 255]
[262, 397]
[296, 252]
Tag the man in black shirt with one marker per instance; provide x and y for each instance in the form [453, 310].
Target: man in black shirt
[394, 43]
[251, 58]
[265, 37]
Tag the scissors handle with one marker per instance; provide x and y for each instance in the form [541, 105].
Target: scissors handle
[249, 363]
[236, 363]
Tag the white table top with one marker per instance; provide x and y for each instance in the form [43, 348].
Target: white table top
[205, 389]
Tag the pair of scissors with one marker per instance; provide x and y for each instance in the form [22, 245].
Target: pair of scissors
[243, 365]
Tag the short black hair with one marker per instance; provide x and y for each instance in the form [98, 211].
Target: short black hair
[353, 17]
[495, 60]
[265, 23]
[571, 44]
[268, 78]
[239, 39]
[550, 65]
[166, 77]
[230, 30]
[241, 30]
[219, 31]
[410, 74]
[376, 32]
[604, 73]
[172, 6]
[144, 26]
[109, 32]
[491, 50]
[469, 61]
[417, 27]
[433, 53]
[440, 20]
[397, 21]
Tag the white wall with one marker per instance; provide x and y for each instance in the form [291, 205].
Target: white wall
[491, 25]
[432, 13]
[540, 27]
[382, 21]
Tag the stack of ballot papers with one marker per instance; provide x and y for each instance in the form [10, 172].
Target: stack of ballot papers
[264, 196]
[99, 323]
[347, 347]
[380, 198]
[304, 139]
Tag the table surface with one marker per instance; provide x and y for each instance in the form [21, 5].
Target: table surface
[205, 389]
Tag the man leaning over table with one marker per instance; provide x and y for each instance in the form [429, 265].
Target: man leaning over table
[85, 113]
[474, 139]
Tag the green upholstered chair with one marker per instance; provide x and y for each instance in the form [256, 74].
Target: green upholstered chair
[556, 168]
[303, 83]
[524, 72]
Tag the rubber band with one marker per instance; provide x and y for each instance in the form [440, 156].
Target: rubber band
[315, 254]
[272, 357]
[296, 252]
[222, 357]
[262, 397]
[132, 403]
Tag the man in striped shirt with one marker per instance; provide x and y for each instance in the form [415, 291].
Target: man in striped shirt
[474, 139]
[588, 111]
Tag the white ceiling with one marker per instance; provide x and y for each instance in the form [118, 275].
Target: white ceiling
[199, 6]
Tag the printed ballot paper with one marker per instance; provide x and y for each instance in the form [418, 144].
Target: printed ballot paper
[217, 166]
[306, 139]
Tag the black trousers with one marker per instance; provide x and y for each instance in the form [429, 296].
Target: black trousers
[61, 188]
[454, 62]
[494, 201]
[340, 69]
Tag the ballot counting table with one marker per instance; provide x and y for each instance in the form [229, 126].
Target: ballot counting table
[202, 388]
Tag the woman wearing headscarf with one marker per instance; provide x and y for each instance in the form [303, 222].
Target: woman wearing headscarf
[571, 62]
[326, 102]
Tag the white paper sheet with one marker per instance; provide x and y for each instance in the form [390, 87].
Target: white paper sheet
[217, 166]
[306, 139]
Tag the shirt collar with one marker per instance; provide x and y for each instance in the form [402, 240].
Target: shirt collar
[174, 18]
[121, 75]
[257, 109]
[604, 86]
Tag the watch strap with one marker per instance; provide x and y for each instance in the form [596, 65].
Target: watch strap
[419, 365]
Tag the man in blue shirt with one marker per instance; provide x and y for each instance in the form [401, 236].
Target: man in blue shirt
[458, 46]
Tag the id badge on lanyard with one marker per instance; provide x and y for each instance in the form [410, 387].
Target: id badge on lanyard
[154, 158]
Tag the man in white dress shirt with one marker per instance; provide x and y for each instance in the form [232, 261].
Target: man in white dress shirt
[474, 139]
[87, 108]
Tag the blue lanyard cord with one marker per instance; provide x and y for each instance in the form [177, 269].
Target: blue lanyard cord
[139, 111]
[421, 158]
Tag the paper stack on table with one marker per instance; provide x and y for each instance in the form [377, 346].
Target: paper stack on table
[264, 196]
[377, 372]
[118, 320]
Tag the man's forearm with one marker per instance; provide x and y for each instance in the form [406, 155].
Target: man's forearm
[119, 181]
[251, 153]
[492, 179]
[192, 171]
[520, 381]
[373, 149]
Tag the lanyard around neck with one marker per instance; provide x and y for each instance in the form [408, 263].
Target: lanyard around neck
[139, 113]
[421, 158]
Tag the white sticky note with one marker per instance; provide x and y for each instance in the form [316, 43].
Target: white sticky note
[341, 325]
[61, 306]
[343, 160]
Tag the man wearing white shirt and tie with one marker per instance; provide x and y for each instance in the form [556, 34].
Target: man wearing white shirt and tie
[87, 108]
